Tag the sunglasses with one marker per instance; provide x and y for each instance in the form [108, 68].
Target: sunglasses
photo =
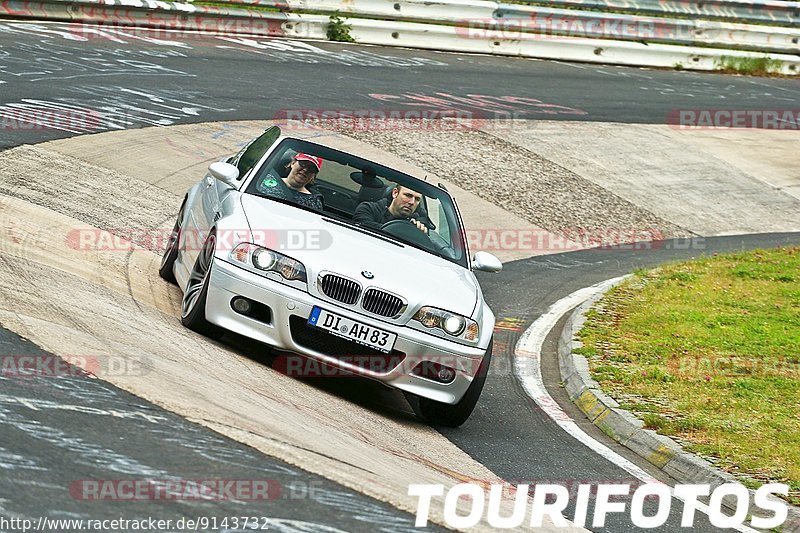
[308, 166]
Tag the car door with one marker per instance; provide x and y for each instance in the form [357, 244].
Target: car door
[201, 213]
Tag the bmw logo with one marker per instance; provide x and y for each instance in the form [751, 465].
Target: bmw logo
[367, 274]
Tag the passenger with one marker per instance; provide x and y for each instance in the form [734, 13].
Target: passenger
[403, 206]
[303, 170]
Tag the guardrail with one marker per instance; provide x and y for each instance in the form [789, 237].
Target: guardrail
[762, 11]
[506, 21]
[770, 11]
[457, 26]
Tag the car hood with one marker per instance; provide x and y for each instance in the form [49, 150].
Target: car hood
[325, 246]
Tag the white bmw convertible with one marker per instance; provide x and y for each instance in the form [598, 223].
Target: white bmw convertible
[356, 265]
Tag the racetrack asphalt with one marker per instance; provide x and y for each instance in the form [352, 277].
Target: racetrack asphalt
[61, 433]
[138, 81]
[506, 434]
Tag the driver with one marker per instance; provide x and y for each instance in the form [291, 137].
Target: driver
[403, 206]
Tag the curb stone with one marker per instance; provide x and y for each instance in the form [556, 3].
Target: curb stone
[622, 426]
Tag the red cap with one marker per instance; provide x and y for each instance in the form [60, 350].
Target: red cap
[314, 159]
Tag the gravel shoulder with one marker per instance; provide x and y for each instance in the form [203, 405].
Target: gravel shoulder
[528, 183]
[708, 182]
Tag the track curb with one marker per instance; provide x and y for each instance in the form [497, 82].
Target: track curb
[622, 426]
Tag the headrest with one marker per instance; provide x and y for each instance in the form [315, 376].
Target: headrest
[367, 178]
[283, 166]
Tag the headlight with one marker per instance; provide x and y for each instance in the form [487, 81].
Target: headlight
[454, 325]
[266, 260]
[450, 323]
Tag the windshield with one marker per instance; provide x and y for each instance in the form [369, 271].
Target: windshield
[362, 194]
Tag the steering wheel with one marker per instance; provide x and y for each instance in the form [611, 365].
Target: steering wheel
[408, 231]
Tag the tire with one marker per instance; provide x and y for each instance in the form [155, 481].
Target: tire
[171, 252]
[447, 415]
[193, 304]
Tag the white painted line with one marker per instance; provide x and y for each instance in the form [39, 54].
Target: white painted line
[38, 404]
[140, 36]
[527, 369]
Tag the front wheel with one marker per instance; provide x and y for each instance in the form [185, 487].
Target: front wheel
[443, 414]
[193, 305]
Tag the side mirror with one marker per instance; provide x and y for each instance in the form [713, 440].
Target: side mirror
[224, 172]
[486, 262]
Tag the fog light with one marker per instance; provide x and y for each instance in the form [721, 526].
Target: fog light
[241, 305]
[435, 371]
[446, 375]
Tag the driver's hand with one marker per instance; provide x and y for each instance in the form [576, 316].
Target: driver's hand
[420, 226]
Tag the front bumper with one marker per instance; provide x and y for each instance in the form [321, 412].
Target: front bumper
[285, 302]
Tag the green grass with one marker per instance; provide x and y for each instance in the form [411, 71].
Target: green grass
[709, 352]
[754, 66]
[338, 30]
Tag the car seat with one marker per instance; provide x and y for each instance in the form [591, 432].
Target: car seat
[371, 186]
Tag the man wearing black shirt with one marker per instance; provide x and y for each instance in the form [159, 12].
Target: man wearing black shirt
[403, 206]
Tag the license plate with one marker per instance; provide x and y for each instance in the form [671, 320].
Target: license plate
[350, 329]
